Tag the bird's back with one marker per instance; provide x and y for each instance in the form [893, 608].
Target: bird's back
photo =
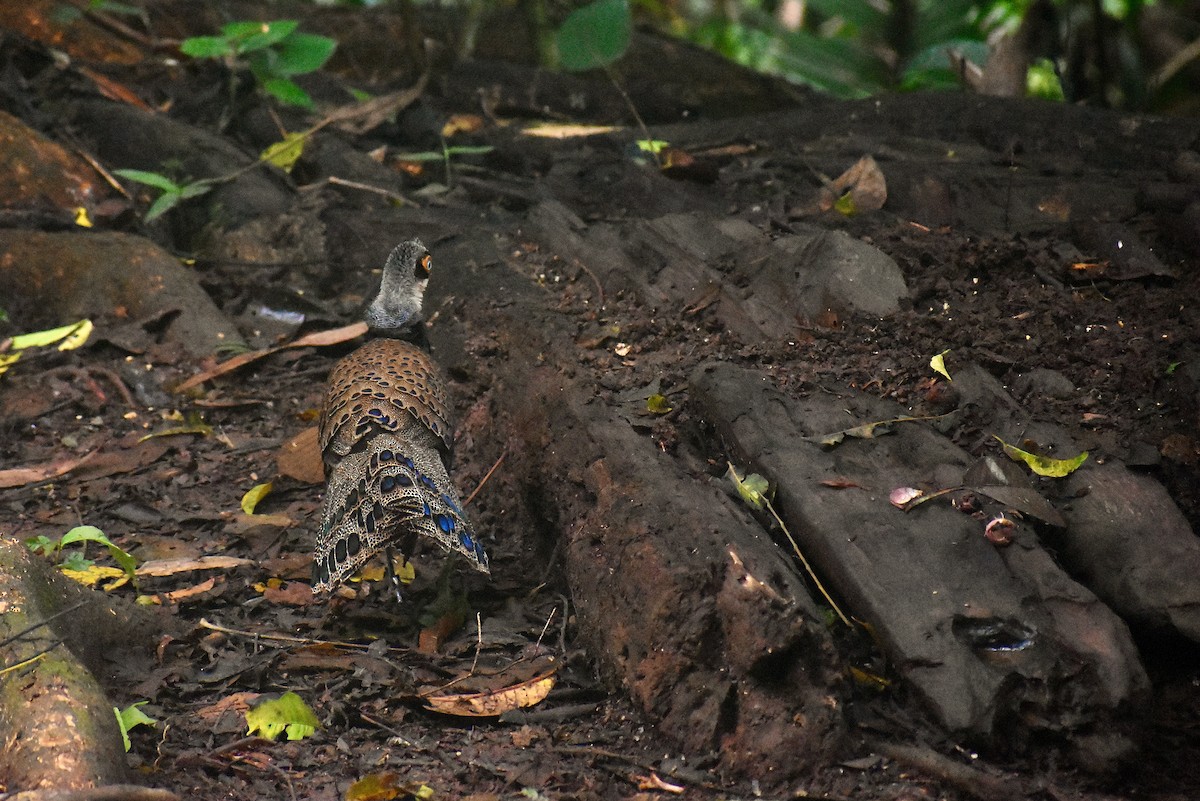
[386, 439]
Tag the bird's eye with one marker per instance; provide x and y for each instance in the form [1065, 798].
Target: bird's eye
[424, 266]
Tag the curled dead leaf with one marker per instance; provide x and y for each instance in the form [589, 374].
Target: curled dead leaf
[495, 702]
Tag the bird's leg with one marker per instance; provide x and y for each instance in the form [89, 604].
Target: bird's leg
[389, 557]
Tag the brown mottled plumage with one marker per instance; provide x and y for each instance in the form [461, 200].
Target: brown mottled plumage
[386, 439]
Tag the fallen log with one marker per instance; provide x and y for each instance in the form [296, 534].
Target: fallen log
[1000, 642]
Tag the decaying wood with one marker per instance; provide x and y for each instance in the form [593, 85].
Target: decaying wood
[685, 598]
[57, 728]
[1001, 643]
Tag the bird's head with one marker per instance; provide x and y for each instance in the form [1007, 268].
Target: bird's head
[396, 307]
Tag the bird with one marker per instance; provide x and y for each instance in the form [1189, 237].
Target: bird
[386, 439]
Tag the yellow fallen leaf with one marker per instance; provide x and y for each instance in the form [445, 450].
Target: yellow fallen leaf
[658, 404]
[753, 488]
[286, 153]
[112, 576]
[1043, 465]
[254, 495]
[487, 704]
[938, 363]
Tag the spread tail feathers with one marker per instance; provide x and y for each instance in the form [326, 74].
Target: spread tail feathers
[389, 493]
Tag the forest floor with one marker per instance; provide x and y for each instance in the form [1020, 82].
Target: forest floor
[1118, 344]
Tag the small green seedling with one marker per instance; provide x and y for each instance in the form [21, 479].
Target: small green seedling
[172, 193]
[77, 560]
[131, 716]
[273, 51]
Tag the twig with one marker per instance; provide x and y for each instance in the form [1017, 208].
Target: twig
[478, 642]
[800, 555]
[485, 478]
[970, 780]
[549, 618]
[287, 638]
[595, 280]
[378, 190]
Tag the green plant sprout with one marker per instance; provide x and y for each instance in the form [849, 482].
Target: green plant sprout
[172, 193]
[274, 52]
[77, 560]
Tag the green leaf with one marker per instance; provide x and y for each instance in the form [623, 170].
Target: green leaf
[288, 713]
[595, 35]
[84, 534]
[41, 544]
[195, 188]
[441, 155]
[302, 53]
[77, 562]
[1043, 465]
[845, 205]
[251, 36]
[92, 534]
[287, 92]
[132, 716]
[154, 179]
[206, 47]
[1041, 80]
[938, 363]
[752, 489]
[166, 201]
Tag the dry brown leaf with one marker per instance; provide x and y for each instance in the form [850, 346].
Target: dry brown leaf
[20, 476]
[865, 183]
[840, 483]
[497, 702]
[300, 457]
[291, 593]
[236, 704]
[186, 593]
[169, 567]
[333, 336]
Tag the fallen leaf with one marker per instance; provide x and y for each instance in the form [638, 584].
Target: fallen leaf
[938, 363]
[658, 404]
[333, 336]
[497, 702]
[462, 123]
[300, 457]
[552, 130]
[284, 154]
[289, 593]
[1043, 465]
[287, 714]
[20, 476]
[901, 497]
[753, 488]
[254, 495]
[203, 588]
[169, 567]
[840, 483]
[860, 188]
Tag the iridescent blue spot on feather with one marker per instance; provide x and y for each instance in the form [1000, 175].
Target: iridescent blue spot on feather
[444, 522]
